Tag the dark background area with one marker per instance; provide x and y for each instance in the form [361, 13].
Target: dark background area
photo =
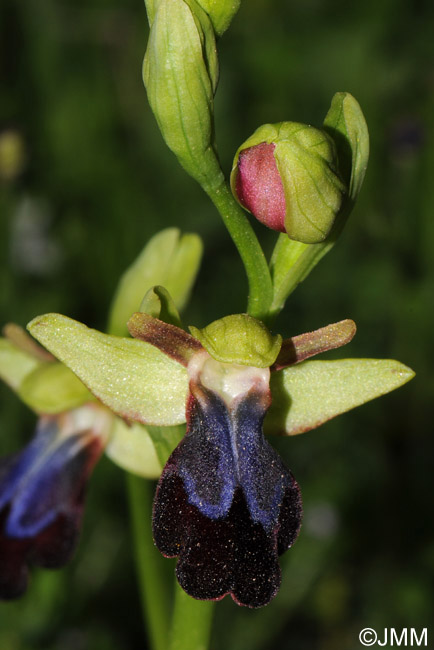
[95, 181]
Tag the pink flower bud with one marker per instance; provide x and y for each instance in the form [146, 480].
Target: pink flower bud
[259, 187]
[286, 175]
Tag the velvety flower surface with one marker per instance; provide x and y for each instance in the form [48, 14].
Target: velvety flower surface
[42, 491]
[225, 503]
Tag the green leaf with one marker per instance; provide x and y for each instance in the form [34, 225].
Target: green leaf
[134, 379]
[310, 393]
[16, 364]
[133, 449]
[53, 388]
[169, 259]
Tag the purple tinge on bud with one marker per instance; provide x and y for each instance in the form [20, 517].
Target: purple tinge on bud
[42, 492]
[225, 503]
[259, 187]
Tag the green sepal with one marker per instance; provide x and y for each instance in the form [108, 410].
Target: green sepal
[158, 303]
[134, 379]
[19, 337]
[165, 440]
[53, 388]
[180, 72]
[347, 126]
[169, 259]
[16, 364]
[310, 393]
[132, 448]
[239, 339]
[221, 12]
[142, 450]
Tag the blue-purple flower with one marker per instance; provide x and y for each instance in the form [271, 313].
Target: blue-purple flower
[226, 505]
[42, 490]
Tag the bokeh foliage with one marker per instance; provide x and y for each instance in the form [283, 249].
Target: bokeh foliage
[96, 182]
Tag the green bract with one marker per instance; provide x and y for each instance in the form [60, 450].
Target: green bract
[180, 72]
[346, 124]
[239, 339]
[293, 261]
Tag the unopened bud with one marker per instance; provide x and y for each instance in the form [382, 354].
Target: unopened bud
[286, 175]
[180, 72]
[220, 12]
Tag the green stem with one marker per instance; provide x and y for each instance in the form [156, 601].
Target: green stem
[244, 238]
[192, 621]
[154, 599]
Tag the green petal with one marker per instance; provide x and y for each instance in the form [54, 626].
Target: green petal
[132, 448]
[301, 347]
[16, 364]
[310, 393]
[171, 340]
[134, 379]
[169, 259]
[53, 388]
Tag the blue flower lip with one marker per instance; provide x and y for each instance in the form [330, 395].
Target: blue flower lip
[42, 493]
[224, 492]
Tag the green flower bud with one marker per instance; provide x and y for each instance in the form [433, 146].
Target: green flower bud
[239, 339]
[220, 12]
[180, 72]
[286, 175]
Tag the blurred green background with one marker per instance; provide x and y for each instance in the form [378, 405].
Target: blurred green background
[94, 181]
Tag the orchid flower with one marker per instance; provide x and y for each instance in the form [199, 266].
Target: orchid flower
[42, 487]
[226, 505]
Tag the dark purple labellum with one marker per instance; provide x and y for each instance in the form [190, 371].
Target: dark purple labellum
[225, 503]
[41, 502]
